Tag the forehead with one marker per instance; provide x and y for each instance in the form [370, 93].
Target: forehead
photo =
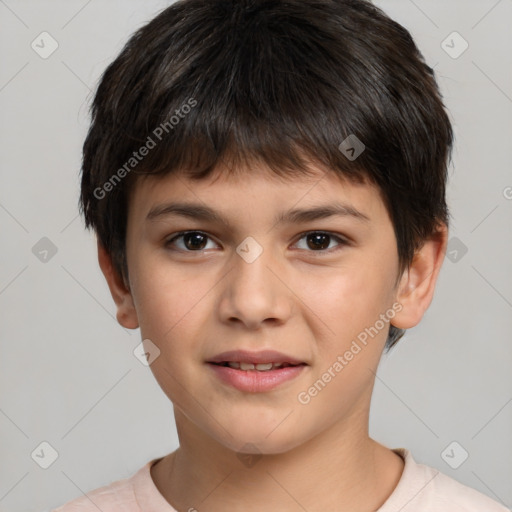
[254, 192]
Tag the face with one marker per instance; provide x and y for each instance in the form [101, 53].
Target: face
[317, 290]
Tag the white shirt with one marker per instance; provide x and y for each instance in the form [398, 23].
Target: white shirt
[420, 489]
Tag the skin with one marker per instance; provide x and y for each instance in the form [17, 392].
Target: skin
[295, 298]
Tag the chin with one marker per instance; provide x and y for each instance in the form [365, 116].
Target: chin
[257, 439]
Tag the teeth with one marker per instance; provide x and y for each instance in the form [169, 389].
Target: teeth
[262, 367]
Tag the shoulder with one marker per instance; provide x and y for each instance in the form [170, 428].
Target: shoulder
[457, 497]
[423, 488]
[119, 495]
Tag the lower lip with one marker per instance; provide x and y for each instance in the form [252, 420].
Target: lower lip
[255, 381]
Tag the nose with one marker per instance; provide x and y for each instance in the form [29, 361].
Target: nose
[255, 292]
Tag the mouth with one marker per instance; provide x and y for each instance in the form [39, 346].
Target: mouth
[255, 372]
[247, 360]
[260, 367]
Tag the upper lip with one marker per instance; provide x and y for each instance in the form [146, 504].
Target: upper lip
[264, 356]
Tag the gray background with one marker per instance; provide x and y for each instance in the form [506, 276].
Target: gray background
[67, 372]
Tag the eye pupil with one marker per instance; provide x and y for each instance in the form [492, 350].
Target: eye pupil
[195, 237]
[317, 237]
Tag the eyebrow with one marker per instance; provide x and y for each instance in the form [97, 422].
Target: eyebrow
[205, 213]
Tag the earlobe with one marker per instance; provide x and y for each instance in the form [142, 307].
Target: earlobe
[126, 313]
[416, 288]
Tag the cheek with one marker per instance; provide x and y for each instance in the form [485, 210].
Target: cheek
[170, 306]
[347, 302]
[347, 295]
[166, 298]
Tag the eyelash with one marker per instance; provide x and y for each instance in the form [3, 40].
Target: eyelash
[342, 241]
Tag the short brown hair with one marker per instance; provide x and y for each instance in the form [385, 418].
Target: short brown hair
[274, 81]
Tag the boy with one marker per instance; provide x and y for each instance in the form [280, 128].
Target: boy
[266, 179]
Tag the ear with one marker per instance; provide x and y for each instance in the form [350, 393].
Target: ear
[126, 313]
[416, 287]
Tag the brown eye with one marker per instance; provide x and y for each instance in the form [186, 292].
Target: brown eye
[193, 241]
[319, 241]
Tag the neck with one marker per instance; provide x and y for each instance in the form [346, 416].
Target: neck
[339, 469]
